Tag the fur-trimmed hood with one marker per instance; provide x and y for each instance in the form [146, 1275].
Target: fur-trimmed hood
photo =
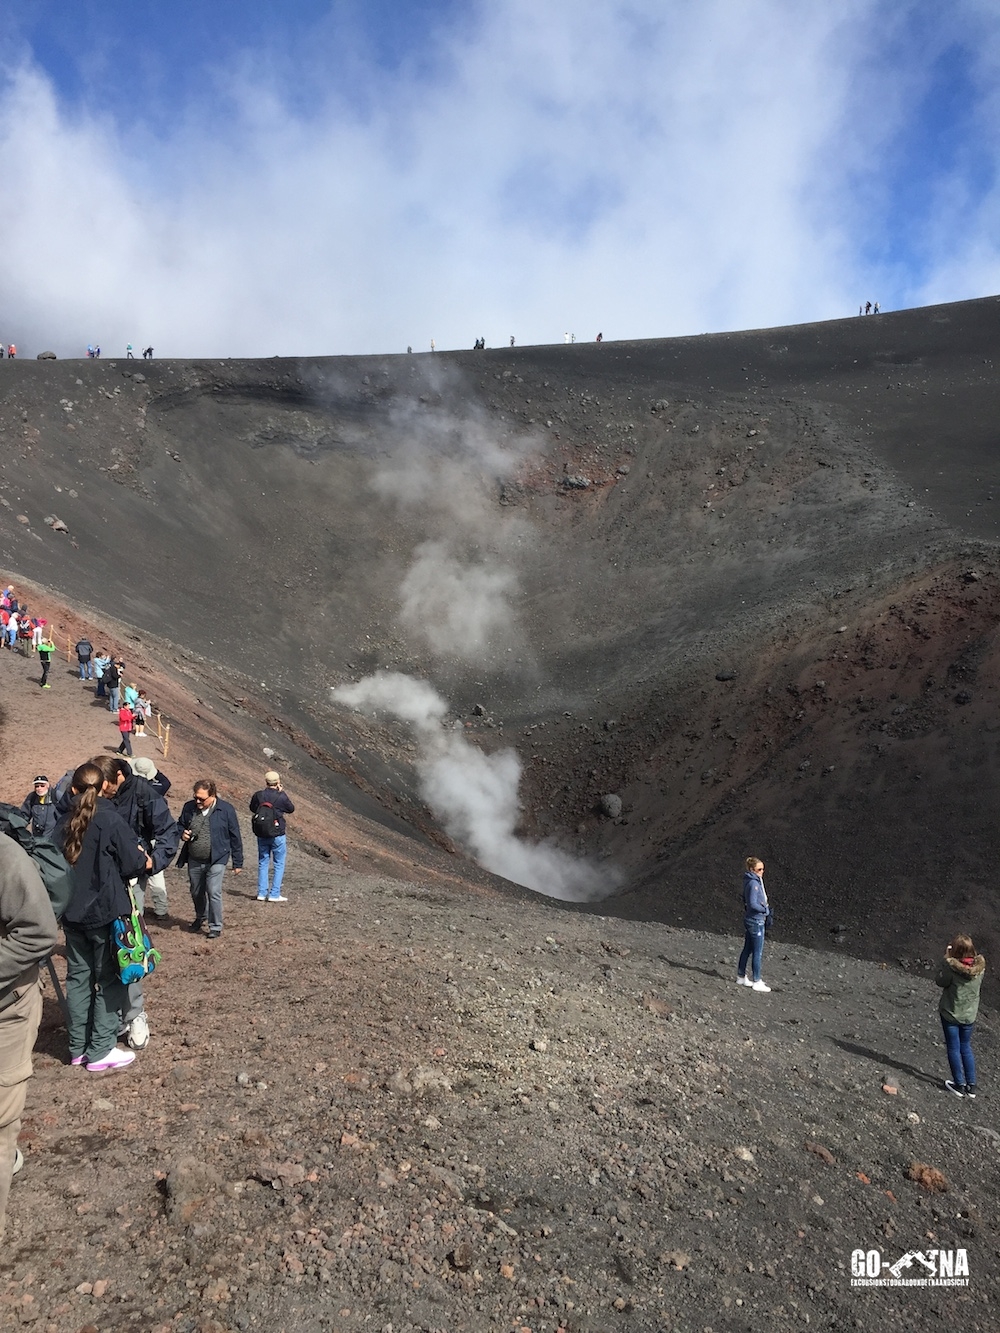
[966, 971]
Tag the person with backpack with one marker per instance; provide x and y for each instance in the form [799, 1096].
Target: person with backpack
[268, 808]
[39, 808]
[85, 656]
[104, 854]
[148, 816]
[28, 934]
[101, 663]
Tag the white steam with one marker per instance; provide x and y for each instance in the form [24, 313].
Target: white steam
[475, 795]
[459, 610]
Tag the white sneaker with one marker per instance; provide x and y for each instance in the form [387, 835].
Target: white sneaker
[279, 899]
[115, 1059]
[759, 985]
[18, 1162]
[138, 1032]
[743, 981]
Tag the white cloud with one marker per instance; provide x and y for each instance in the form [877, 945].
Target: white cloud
[644, 169]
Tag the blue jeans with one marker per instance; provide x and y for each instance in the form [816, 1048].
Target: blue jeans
[87, 670]
[206, 891]
[958, 1040]
[114, 698]
[266, 849]
[753, 947]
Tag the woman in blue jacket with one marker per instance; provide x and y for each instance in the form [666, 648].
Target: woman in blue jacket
[104, 854]
[756, 915]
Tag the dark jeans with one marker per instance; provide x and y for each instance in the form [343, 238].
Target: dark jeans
[958, 1040]
[126, 745]
[753, 947]
[95, 996]
[46, 663]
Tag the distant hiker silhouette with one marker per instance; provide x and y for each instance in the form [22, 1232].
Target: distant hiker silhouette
[868, 307]
[147, 354]
[512, 340]
[128, 353]
[876, 309]
[600, 337]
[11, 352]
[433, 345]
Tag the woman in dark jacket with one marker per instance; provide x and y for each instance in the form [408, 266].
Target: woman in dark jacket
[104, 855]
[756, 917]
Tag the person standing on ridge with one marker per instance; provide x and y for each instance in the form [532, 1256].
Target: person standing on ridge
[960, 978]
[28, 934]
[128, 353]
[756, 916]
[210, 833]
[269, 807]
[85, 656]
[126, 725]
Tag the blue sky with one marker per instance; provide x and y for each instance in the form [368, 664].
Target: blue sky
[246, 178]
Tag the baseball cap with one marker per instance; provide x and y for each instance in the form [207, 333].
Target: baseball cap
[41, 778]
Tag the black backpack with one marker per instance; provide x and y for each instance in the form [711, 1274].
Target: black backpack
[265, 822]
[49, 860]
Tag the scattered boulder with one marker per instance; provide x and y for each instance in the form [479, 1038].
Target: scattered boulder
[725, 675]
[46, 356]
[611, 805]
[189, 1185]
[575, 483]
[929, 1177]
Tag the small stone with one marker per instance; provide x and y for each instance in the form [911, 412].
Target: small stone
[889, 1090]
[611, 805]
[100, 1287]
[243, 1079]
[23, 518]
[539, 1044]
[679, 1259]
[84, 1288]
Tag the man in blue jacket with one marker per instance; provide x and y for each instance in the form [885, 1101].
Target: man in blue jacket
[210, 836]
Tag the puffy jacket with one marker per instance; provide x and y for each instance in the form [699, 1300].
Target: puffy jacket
[148, 815]
[961, 983]
[28, 930]
[225, 830]
[108, 859]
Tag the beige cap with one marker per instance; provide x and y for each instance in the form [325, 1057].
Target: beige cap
[271, 778]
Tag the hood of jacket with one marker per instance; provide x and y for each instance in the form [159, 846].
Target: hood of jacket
[966, 971]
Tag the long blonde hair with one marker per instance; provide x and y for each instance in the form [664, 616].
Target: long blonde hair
[87, 783]
[754, 864]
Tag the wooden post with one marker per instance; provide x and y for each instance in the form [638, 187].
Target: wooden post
[166, 740]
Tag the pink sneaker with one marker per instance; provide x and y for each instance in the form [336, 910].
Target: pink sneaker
[115, 1059]
[77, 1060]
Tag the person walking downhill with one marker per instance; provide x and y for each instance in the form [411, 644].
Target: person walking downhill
[104, 854]
[210, 833]
[960, 978]
[756, 917]
[269, 807]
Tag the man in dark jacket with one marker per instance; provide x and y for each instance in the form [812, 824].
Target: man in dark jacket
[28, 934]
[85, 656]
[269, 807]
[210, 834]
[39, 808]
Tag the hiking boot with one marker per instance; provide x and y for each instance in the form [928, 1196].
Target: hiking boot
[115, 1059]
[760, 986]
[138, 1032]
[957, 1088]
[970, 1089]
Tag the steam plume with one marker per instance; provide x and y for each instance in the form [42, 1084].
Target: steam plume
[475, 795]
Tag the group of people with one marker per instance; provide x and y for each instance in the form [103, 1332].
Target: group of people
[11, 351]
[960, 977]
[869, 309]
[112, 824]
